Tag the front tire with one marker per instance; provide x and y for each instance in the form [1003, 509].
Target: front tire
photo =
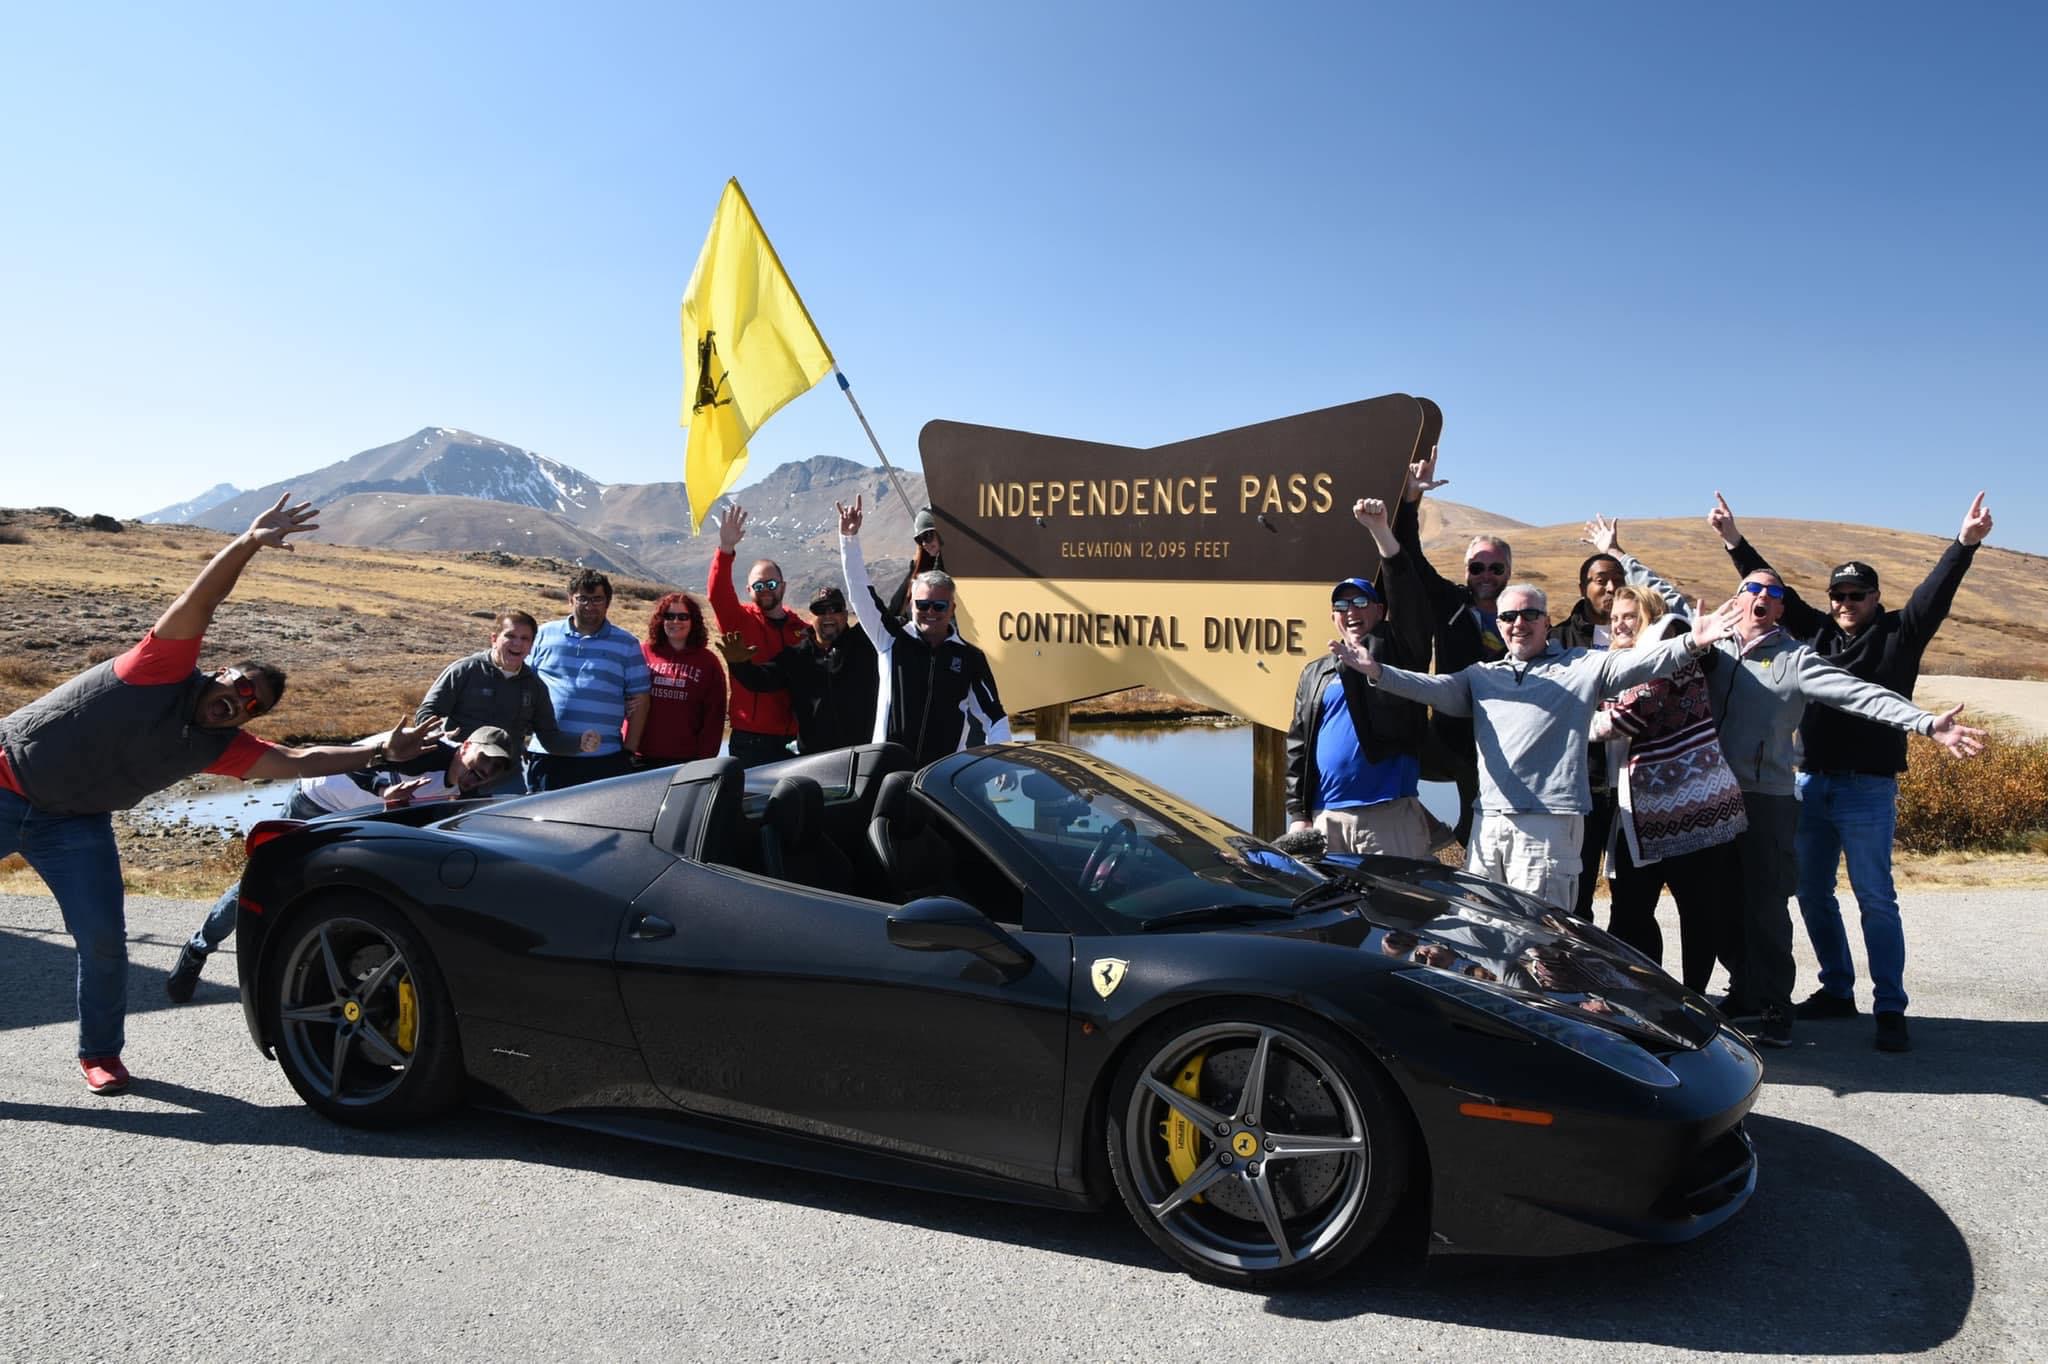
[364, 1028]
[1255, 1146]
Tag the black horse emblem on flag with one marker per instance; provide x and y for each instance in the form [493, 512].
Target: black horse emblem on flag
[709, 385]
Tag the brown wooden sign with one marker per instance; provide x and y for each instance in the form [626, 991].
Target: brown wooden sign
[1202, 568]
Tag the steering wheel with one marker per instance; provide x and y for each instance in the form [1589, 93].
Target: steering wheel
[1102, 857]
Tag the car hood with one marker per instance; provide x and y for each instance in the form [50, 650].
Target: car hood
[1425, 915]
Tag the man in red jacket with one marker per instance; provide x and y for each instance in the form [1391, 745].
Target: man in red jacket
[763, 722]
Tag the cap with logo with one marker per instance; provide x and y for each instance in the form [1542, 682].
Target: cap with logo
[1855, 573]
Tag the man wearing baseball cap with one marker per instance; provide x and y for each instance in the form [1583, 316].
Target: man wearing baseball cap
[451, 771]
[1354, 752]
[832, 676]
[1848, 780]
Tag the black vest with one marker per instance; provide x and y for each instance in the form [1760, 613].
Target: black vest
[98, 744]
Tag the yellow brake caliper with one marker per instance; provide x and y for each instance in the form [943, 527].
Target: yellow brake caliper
[408, 1016]
[1183, 1139]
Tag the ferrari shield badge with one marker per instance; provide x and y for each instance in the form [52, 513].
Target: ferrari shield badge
[1106, 974]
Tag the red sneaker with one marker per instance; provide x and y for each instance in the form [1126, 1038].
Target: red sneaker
[104, 1074]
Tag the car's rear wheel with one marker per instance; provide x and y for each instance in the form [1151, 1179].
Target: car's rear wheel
[1256, 1146]
[364, 1028]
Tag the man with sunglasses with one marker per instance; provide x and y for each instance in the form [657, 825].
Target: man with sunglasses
[1531, 710]
[937, 694]
[127, 728]
[598, 685]
[832, 676]
[1848, 780]
[763, 722]
[1462, 628]
[1354, 751]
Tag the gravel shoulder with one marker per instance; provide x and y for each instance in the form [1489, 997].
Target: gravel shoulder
[209, 1214]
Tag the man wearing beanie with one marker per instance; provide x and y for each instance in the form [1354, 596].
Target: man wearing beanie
[1848, 782]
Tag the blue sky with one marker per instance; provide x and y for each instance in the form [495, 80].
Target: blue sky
[1637, 252]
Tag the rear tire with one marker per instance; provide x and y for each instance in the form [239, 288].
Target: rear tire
[1281, 1168]
[364, 1028]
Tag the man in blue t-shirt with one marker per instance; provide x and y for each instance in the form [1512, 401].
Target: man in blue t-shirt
[1354, 752]
[597, 680]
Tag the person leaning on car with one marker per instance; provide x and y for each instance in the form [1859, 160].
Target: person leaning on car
[832, 676]
[126, 729]
[1353, 750]
[937, 694]
[1848, 783]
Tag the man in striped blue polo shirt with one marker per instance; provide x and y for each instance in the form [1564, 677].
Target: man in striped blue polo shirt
[597, 679]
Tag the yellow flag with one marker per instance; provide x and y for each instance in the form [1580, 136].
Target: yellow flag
[748, 347]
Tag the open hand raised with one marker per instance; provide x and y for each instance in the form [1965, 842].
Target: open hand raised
[1602, 534]
[272, 526]
[732, 527]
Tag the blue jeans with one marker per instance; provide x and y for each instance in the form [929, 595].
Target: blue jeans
[76, 857]
[1849, 814]
[220, 922]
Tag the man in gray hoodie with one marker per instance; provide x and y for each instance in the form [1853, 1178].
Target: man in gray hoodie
[1531, 711]
[1760, 688]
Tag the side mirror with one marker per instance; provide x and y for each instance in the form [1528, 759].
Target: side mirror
[939, 923]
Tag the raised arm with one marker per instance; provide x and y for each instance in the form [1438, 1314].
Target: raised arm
[1445, 598]
[725, 603]
[1621, 669]
[1450, 693]
[1801, 620]
[1928, 607]
[855, 569]
[192, 612]
[1408, 618]
[400, 744]
[1605, 536]
[1830, 685]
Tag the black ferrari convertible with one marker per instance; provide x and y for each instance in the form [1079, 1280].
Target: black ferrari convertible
[1022, 973]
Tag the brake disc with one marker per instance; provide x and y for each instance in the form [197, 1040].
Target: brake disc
[1295, 1101]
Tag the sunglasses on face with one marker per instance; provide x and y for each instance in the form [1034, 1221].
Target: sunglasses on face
[590, 601]
[932, 605]
[1774, 591]
[678, 615]
[765, 584]
[245, 692]
[1840, 594]
[1481, 566]
[1531, 614]
[1352, 603]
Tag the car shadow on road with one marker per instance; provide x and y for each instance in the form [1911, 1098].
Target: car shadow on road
[1949, 1056]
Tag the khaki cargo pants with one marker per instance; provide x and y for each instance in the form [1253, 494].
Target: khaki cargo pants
[1533, 852]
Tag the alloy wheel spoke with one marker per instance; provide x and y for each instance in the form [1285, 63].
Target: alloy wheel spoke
[1189, 1107]
[1294, 1145]
[312, 1013]
[1207, 1173]
[334, 978]
[378, 1048]
[1252, 1099]
[377, 977]
[1269, 1213]
[341, 1037]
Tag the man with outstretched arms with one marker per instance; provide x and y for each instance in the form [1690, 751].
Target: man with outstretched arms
[1353, 750]
[126, 729]
[1531, 711]
[1848, 780]
[937, 695]
[763, 722]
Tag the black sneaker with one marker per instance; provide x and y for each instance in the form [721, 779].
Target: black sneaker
[184, 977]
[1736, 1007]
[1891, 1033]
[1776, 1028]
[1827, 1004]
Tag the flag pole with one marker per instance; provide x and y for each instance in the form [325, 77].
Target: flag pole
[894, 478]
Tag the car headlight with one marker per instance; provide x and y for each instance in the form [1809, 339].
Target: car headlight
[1589, 1040]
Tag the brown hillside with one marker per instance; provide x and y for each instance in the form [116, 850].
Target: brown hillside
[1987, 634]
[422, 522]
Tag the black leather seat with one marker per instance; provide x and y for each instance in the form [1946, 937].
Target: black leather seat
[794, 844]
[915, 857]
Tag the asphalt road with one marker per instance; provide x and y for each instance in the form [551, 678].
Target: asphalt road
[209, 1215]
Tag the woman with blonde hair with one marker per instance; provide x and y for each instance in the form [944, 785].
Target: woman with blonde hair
[1678, 807]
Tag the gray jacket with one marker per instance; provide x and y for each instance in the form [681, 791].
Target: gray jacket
[1531, 718]
[1759, 697]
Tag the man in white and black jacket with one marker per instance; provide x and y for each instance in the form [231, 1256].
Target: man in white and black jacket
[937, 694]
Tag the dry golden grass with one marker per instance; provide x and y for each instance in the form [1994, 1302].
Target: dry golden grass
[1997, 801]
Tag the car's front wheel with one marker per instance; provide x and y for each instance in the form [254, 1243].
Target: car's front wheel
[1256, 1146]
[364, 1028]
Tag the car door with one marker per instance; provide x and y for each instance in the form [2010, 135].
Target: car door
[772, 1003]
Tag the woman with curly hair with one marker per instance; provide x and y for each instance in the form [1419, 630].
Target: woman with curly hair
[686, 717]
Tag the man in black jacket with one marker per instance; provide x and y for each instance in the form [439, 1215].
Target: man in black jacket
[1354, 751]
[1849, 776]
[1462, 629]
[831, 676]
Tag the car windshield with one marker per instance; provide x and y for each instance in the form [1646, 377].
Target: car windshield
[1133, 851]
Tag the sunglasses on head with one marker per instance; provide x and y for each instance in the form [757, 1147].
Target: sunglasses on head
[765, 584]
[1847, 594]
[246, 693]
[1531, 614]
[932, 605]
[1772, 590]
[1352, 603]
[1481, 566]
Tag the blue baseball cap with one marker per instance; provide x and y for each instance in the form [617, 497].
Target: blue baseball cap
[1354, 587]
